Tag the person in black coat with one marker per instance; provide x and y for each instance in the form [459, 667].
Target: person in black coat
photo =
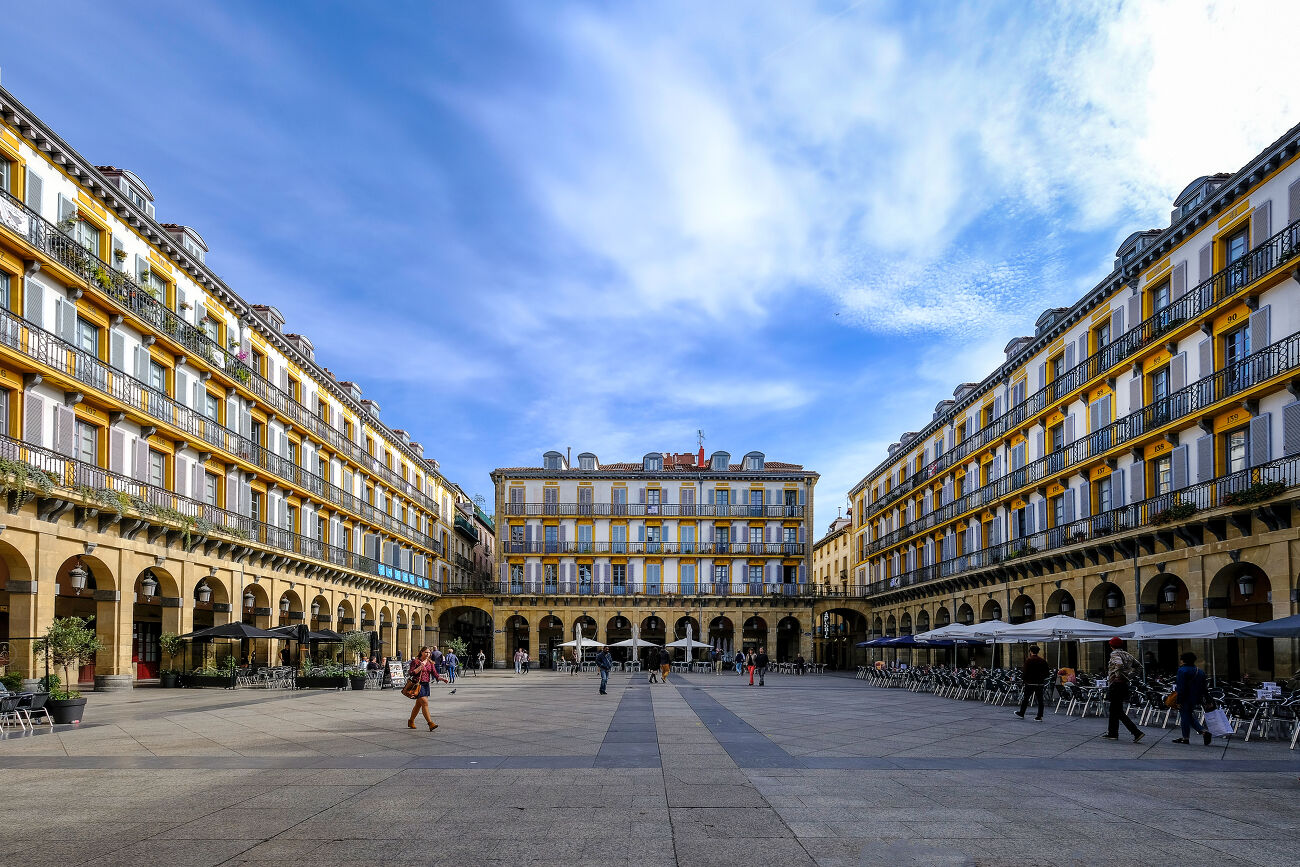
[1192, 690]
[1036, 671]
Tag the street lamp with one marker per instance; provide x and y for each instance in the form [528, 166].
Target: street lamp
[1029, 609]
[1246, 586]
[1112, 599]
[315, 609]
[284, 604]
[203, 592]
[1170, 593]
[249, 599]
[340, 613]
[149, 584]
[77, 575]
[1066, 605]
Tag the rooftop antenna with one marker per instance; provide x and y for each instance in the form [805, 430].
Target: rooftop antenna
[699, 438]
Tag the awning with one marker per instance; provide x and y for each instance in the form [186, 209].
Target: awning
[1287, 627]
[232, 630]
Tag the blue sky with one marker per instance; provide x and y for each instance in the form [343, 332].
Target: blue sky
[525, 226]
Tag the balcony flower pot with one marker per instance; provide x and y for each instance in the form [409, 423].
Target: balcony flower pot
[358, 681]
[66, 711]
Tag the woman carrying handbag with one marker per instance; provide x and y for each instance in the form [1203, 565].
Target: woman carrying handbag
[417, 687]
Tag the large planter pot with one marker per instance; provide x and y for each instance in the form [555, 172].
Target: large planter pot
[167, 680]
[66, 710]
[210, 681]
[113, 682]
[338, 682]
[357, 681]
[31, 684]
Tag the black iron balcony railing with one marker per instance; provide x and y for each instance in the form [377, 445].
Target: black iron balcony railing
[193, 521]
[466, 526]
[541, 587]
[117, 286]
[642, 510]
[39, 345]
[755, 549]
[1255, 369]
[1261, 261]
[1165, 510]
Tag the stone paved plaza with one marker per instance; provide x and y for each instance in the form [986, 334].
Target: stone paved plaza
[704, 770]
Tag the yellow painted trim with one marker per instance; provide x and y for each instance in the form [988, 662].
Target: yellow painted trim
[1156, 449]
[1237, 210]
[1231, 419]
[95, 207]
[157, 261]
[1155, 362]
[1217, 250]
[1238, 314]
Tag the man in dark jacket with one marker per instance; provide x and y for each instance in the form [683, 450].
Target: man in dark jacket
[760, 664]
[1191, 689]
[604, 662]
[1036, 671]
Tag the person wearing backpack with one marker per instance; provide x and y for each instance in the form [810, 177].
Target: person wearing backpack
[1191, 690]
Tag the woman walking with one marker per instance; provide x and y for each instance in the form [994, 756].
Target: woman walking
[422, 666]
[1191, 690]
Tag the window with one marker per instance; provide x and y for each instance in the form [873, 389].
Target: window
[211, 406]
[1235, 247]
[586, 462]
[1056, 368]
[87, 235]
[1101, 337]
[584, 539]
[516, 577]
[87, 443]
[721, 573]
[550, 576]
[87, 337]
[516, 538]
[755, 574]
[1056, 437]
[209, 327]
[157, 287]
[550, 462]
[6, 175]
[1160, 384]
[157, 469]
[756, 538]
[584, 578]
[687, 537]
[618, 539]
[210, 489]
[1020, 521]
[723, 536]
[255, 505]
[1058, 510]
[618, 577]
[1160, 297]
[295, 390]
[1236, 345]
[1162, 475]
[291, 518]
[259, 363]
[723, 497]
[652, 501]
[157, 377]
[1236, 448]
[256, 432]
[135, 197]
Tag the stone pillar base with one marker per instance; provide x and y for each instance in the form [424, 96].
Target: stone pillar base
[113, 682]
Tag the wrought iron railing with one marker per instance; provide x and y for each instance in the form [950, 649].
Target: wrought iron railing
[638, 587]
[758, 549]
[1255, 369]
[643, 510]
[1263, 260]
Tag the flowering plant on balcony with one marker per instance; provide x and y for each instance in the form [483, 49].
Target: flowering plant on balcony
[119, 254]
[1256, 493]
[242, 356]
[1176, 512]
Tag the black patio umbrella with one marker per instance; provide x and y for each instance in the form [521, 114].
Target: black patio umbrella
[1287, 627]
[374, 644]
[234, 631]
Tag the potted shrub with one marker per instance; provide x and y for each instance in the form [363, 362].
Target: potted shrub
[356, 644]
[172, 646]
[68, 641]
[325, 677]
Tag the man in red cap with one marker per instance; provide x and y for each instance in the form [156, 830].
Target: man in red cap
[1122, 667]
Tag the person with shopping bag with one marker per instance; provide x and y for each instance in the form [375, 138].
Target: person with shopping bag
[421, 670]
[1190, 691]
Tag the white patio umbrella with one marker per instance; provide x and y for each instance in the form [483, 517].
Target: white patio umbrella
[1140, 630]
[1206, 628]
[1059, 627]
[634, 643]
[687, 642]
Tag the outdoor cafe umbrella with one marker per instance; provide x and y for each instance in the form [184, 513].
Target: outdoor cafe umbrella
[1207, 628]
[1287, 627]
[236, 631]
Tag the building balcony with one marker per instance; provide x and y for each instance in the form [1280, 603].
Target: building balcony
[1186, 514]
[640, 510]
[638, 589]
[674, 549]
[159, 320]
[1234, 280]
[466, 528]
[1237, 381]
[102, 499]
[56, 354]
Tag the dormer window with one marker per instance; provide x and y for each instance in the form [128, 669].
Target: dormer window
[552, 462]
[652, 463]
[719, 462]
[754, 462]
[586, 462]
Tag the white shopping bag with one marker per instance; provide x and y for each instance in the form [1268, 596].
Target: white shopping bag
[1217, 722]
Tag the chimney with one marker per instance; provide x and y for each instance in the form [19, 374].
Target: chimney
[568, 456]
[701, 457]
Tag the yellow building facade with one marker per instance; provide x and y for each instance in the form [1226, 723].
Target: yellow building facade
[171, 457]
[1134, 457]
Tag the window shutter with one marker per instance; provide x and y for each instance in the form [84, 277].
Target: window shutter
[1042, 375]
[1261, 222]
[1259, 330]
[1042, 517]
[1069, 505]
[1134, 309]
[803, 496]
[142, 364]
[34, 302]
[1261, 446]
[33, 419]
[35, 186]
[1011, 522]
[198, 396]
[65, 320]
[1069, 429]
[1291, 426]
[65, 430]
[1178, 283]
[1040, 441]
[1180, 467]
[1116, 323]
[141, 459]
[1205, 349]
[997, 406]
[1094, 416]
[1293, 202]
[116, 451]
[66, 208]
[1069, 356]
[1206, 261]
[631, 573]
[1178, 372]
[1117, 488]
[802, 534]
[182, 382]
[117, 350]
[196, 482]
[1204, 458]
[181, 470]
[1083, 347]
[1137, 481]
[1085, 507]
[139, 267]
[1104, 410]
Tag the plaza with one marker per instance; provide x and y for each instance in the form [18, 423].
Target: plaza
[704, 770]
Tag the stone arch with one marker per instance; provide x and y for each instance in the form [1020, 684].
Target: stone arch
[789, 636]
[471, 623]
[922, 621]
[1242, 591]
[891, 626]
[991, 610]
[905, 623]
[878, 626]
[1023, 609]
[654, 628]
[550, 634]
[319, 611]
[679, 628]
[345, 613]
[754, 632]
[1060, 602]
[1166, 599]
[293, 614]
[722, 633]
[965, 613]
[516, 633]
[155, 608]
[1106, 604]
[942, 616]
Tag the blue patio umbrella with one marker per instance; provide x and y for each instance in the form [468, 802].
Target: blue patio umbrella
[1287, 627]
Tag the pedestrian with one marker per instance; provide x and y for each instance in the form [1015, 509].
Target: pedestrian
[1035, 670]
[652, 665]
[482, 658]
[373, 665]
[665, 664]
[525, 661]
[285, 656]
[604, 662]
[799, 663]
[717, 662]
[423, 668]
[761, 662]
[519, 659]
[1121, 667]
[750, 659]
[1191, 690]
[740, 661]
[452, 661]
